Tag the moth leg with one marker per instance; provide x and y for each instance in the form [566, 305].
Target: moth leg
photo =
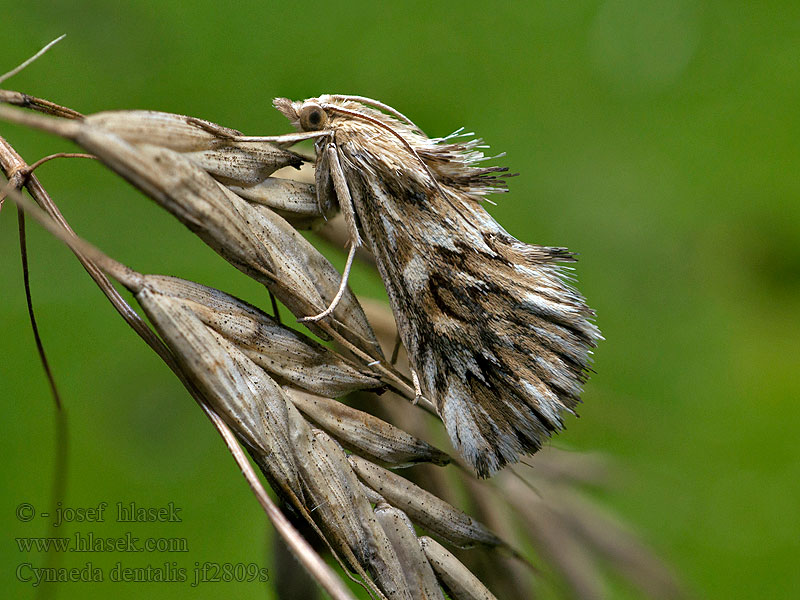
[342, 287]
[417, 388]
[275, 307]
[346, 206]
[343, 194]
[396, 349]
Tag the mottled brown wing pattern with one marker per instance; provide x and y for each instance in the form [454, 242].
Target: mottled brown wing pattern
[499, 340]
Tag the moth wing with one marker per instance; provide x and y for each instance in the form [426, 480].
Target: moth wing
[499, 339]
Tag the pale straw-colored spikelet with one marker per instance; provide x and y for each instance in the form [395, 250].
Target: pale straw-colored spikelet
[454, 576]
[367, 435]
[429, 511]
[415, 565]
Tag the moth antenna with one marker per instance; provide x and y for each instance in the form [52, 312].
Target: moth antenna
[405, 143]
[378, 104]
[286, 138]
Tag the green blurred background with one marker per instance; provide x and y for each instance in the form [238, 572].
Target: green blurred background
[659, 139]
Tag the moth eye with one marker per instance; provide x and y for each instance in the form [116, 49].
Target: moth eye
[312, 117]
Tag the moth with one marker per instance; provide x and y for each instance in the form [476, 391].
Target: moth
[497, 337]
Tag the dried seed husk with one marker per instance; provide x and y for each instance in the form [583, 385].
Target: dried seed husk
[620, 549]
[168, 130]
[425, 509]
[575, 468]
[365, 434]
[419, 575]
[243, 163]
[206, 144]
[305, 277]
[382, 561]
[239, 391]
[509, 576]
[293, 200]
[326, 501]
[258, 242]
[563, 549]
[459, 581]
[287, 355]
[334, 499]
[371, 495]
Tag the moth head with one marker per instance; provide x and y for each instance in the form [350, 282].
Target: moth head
[312, 116]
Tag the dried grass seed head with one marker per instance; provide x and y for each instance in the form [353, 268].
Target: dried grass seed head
[210, 146]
